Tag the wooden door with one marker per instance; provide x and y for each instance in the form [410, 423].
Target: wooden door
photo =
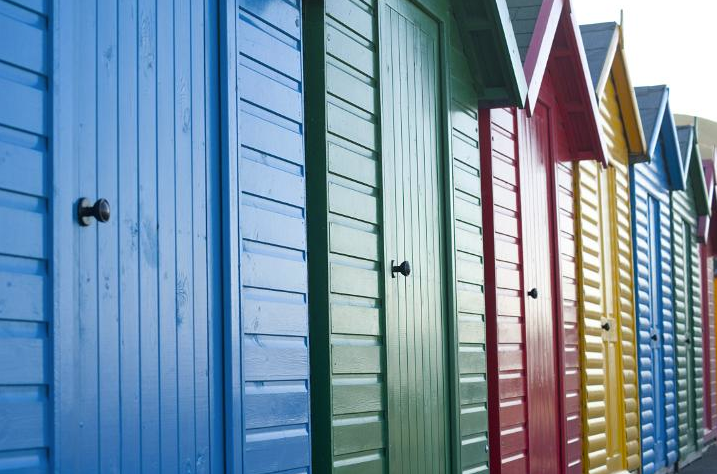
[612, 361]
[536, 162]
[415, 310]
[145, 370]
[688, 273]
[656, 331]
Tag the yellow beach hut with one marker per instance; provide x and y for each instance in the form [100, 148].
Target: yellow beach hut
[611, 423]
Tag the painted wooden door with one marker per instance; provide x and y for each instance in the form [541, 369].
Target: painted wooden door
[540, 314]
[415, 310]
[656, 356]
[688, 322]
[145, 363]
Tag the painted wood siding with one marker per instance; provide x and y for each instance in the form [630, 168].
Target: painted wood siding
[607, 288]
[568, 340]
[345, 228]
[508, 422]
[687, 299]
[272, 220]
[622, 245]
[472, 393]
[26, 371]
[651, 212]
[592, 301]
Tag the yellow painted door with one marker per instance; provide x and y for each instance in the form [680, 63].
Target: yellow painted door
[611, 325]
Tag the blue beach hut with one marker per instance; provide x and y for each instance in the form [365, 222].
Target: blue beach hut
[651, 182]
[153, 277]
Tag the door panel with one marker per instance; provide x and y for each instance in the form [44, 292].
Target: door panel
[611, 326]
[540, 326]
[656, 303]
[148, 369]
[415, 316]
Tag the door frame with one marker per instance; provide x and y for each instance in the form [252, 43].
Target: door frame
[437, 10]
[64, 232]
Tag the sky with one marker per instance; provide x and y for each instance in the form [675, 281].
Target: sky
[671, 42]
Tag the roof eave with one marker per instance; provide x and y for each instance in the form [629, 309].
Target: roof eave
[517, 81]
[628, 102]
[596, 132]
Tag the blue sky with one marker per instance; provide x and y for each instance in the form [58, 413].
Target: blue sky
[667, 42]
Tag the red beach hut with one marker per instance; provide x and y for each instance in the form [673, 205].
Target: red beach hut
[527, 159]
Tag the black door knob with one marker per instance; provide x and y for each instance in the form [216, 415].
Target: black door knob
[688, 340]
[653, 337]
[533, 293]
[404, 269]
[100, 211]
[606, 326]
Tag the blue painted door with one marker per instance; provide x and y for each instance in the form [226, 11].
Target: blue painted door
[143, 360]
[655, 292]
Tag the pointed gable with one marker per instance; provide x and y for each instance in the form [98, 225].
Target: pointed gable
[706, 224]
[490, 45]
[606, 58]
[659, 127]
[705, 138]
[549, 41]
[695, 177]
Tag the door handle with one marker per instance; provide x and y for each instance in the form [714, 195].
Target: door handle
[653, 337]
[688, 340]
[100, 210]
[404, 269]
[533, 293]
[606, 326]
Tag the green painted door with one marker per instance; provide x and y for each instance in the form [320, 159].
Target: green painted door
[415, 305]
[692, 435]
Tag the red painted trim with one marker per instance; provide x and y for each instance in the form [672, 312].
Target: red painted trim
[588, 93]
[493, 377]
[706, 398]
[556, 273]
[541, 45]
[708, 326]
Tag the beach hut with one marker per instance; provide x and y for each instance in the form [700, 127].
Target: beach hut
[153, 278]
[686, 207]
[398, 371]
[706, 137]
[651, 183]
[608, 346]
[528, 161]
